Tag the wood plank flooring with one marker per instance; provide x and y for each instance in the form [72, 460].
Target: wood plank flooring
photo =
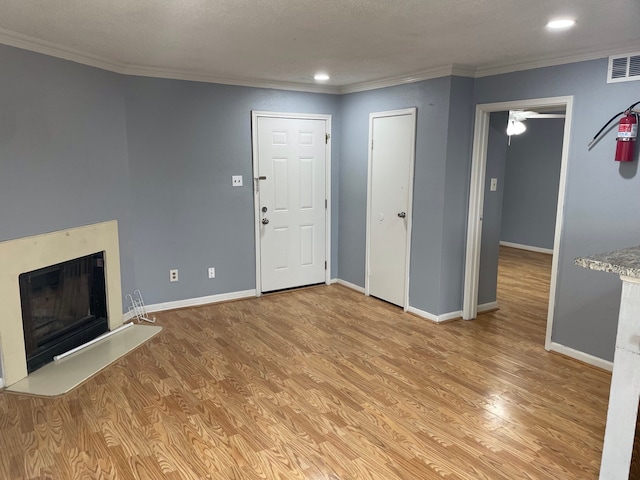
[325, 383]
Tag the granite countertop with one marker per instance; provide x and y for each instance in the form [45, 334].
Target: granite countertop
[624, 262]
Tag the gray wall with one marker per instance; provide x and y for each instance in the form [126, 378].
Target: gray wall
[63, 149]
[456, 196]
[186, 140]
[79, 145]
[440, 186]
[531, 183]
[493, 207]
[600, 196]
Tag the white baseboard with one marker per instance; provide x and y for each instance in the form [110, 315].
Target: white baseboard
[332, 281]
[350, 285]
[527, 247]
[581, 356]
[194, 302]
[435, 318]
[487, 306]
[1, 382]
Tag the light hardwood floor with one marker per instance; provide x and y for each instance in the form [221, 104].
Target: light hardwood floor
[325, 383]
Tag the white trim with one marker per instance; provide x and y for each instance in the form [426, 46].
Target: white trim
[541, 62]
[128, 316]
[485, 307]
[562, 188]
[198, 301]
[476, 199]
[238, 81]
[435, 318]
[530, 248]
[474, 221]
[412, 160]
[350, 285]
[333, 281]
[1, 382]
[581, 356]
[255, 114]
[26, 42]
[436, 72]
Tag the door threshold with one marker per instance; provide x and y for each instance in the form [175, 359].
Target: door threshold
[292, 289]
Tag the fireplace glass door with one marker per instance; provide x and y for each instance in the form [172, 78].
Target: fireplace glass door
[63, 306]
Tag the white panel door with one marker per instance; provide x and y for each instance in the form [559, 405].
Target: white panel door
[391, 172]
[291, 190]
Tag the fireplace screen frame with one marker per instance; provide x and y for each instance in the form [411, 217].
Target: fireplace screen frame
[76, 328]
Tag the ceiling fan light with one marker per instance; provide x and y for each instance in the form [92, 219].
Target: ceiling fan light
[515, 127]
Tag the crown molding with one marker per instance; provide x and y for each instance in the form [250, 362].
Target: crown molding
[238, 81]
[25, 42]
[437, 72]
[541, 62]
[18, 40]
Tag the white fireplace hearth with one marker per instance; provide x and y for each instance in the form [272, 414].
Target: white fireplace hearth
[31, 253]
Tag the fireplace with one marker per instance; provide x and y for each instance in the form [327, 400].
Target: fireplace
[63, 306]
[29, 254]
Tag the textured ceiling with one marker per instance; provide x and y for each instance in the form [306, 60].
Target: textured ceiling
[286, 41]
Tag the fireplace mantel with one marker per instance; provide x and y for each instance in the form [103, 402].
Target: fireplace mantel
[31, 253]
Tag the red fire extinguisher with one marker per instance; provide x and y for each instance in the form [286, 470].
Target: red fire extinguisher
[626, 139]
[627, 133]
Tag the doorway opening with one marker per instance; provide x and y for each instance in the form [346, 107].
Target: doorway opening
[477, 198]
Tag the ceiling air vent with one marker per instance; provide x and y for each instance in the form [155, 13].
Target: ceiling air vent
[624, 68]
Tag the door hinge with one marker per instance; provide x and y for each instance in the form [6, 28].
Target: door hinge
[325, 264]
[326, 204]
[327, 136]
[371, 144]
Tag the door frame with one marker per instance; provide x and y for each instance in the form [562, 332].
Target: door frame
[372, 116]
[476, 200]
[255, 114]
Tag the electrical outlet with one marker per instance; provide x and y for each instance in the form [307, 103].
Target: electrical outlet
[236, 180]
[212, 272]
[173, 275]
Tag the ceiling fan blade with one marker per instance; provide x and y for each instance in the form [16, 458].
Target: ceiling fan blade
[547, 115]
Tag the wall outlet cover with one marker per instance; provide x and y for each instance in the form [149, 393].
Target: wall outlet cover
[236, 180]
[173, 275]
[212, 272]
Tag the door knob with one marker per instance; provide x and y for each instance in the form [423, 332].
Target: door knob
[402, 214]
[265, 221]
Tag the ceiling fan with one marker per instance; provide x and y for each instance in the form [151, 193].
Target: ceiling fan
[516, 117]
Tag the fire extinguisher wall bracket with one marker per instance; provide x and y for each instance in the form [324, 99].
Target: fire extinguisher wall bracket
[626, 138]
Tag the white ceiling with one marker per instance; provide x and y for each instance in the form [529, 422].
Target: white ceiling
[284, 42]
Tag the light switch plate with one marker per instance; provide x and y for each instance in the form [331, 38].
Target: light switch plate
[494, 184]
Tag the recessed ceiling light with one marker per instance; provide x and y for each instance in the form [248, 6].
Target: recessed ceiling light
[561, 24]
[321, 77]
